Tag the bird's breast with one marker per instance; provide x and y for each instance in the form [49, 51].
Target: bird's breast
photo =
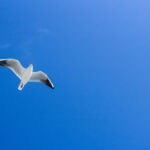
[27, 75]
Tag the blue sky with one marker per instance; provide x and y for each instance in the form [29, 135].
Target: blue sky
[97, 55]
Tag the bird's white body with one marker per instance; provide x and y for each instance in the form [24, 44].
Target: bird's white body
[26, 74]
[26, 77]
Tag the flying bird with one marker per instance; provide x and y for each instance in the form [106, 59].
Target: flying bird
[26, 74]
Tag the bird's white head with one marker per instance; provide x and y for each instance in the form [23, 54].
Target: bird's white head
[31, 66]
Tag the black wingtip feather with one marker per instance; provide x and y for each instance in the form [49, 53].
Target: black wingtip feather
[3, 63]
[48, 83]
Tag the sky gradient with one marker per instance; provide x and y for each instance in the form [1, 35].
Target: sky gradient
[97, 53]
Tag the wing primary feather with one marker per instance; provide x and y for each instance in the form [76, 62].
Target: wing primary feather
[4, 63]
[14, 65]
[41, 77]
[48, 83]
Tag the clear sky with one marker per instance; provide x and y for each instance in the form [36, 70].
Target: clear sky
[97, 53]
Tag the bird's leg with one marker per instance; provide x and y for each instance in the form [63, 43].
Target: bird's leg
[21, 86]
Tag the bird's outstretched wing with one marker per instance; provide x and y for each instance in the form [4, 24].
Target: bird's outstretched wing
[41, 77]
[14, 65]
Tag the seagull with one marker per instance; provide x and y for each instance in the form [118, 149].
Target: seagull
[26, 74]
